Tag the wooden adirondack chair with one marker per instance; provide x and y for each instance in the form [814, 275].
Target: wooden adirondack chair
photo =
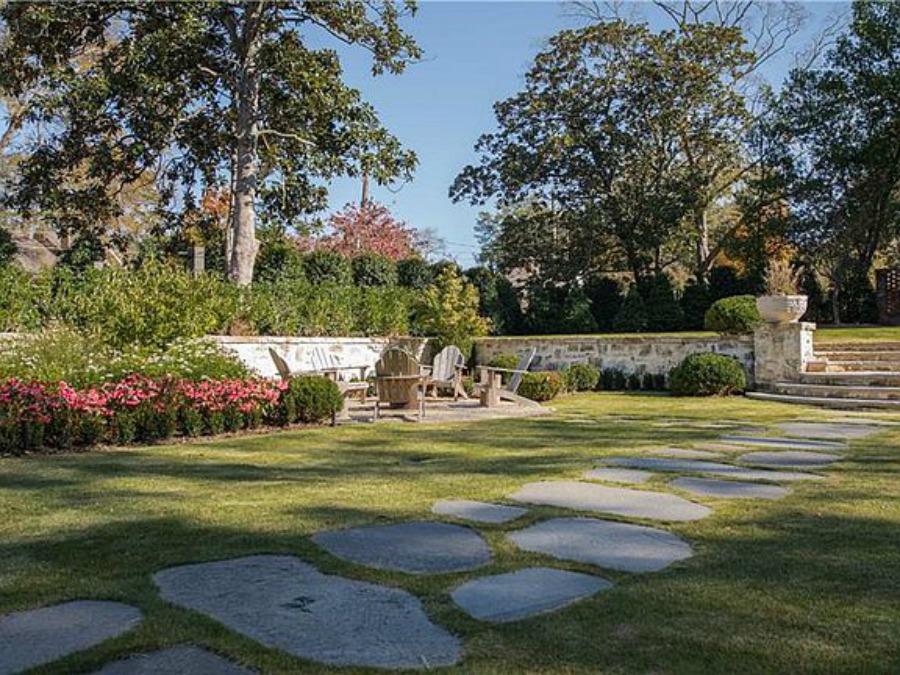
[284, 370]
[492, 391]
[347, 389]
[447, 371]
[399, 381]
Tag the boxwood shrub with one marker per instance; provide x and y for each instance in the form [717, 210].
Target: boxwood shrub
[314, 399]
[508, 361]
[707, 375]
[542, 386]
[582, 377]
[733, 316]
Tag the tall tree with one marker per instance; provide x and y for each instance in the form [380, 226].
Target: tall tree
[369, 227]
[606, 132]
[839, 154]
[202, 94]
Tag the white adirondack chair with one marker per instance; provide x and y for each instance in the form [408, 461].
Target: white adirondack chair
[447, 372]
[329, 364]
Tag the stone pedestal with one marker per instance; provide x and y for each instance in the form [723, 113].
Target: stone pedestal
[781, 352]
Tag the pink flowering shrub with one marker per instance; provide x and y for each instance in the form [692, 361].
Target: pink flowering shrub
[140, 409]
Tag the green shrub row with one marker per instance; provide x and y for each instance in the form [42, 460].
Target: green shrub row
[697, 375]
[157, 304]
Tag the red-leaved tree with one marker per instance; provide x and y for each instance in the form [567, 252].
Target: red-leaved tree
[370, 227]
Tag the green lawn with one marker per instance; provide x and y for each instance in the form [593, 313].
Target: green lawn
[809, 584]
[825, 334]
[854, 334]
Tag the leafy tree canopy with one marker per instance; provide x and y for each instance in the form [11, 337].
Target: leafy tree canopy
[198, 94]
[619, 133]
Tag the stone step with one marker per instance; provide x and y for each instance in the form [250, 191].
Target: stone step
[873, 355]
[862, 366]
[825, 402]
[837, 391]
[872, 378]
[858, 346]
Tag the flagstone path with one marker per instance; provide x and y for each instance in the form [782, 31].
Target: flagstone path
[525, 593]
[38, 636]
[618, 501]
[790, 459]
[713, 468]
[417, 547]
[184, 660]
[617, 546]
[619, 475]
[728, 489]
[481, 512]
[785, 443]
[285, 603]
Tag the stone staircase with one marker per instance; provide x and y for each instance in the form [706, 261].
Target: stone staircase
[846, 375]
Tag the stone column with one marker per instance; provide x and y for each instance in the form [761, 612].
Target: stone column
[781, 352]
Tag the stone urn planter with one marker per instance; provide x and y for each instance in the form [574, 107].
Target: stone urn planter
[781, 308]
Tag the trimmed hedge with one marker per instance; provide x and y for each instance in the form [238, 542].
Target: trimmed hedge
[582, 377]
[707, 375]
[542, 386]
[507, 361]
[733, 316]
[315, 399]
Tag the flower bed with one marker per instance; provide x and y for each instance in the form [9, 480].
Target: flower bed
[139, 409]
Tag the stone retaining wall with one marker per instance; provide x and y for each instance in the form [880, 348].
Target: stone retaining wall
[630, 354]
[298, 351]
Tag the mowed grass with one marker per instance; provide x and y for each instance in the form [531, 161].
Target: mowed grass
[808, 584]
[859, 334]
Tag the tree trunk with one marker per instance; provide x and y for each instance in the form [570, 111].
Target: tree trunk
[243, 224]
[702, 259]
[836, 302]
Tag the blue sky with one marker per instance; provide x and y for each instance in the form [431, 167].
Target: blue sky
[476, 53]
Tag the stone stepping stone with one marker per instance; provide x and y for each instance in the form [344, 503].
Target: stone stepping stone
[525, 593]
[875, 421]
[619, 475]
[827, 430]
[790, 459]
[714, 468]
[686, 454]
[617, 546]
[287, 604]
[174, 661]
[481, 512]
[38, 636]
[786, 443]
[719, 448]
[417, 547]
[729, 489]
[580, 496]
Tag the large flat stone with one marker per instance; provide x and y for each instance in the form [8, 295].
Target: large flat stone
[617, 546]
[790, 459]
[785, 443]
[184, 660]
[416, 547]
[580, 496]
[713, 468]
[480, 512]
[525, 593]
[728, 489]
[287, 604]
[38, 636]
[828, 430]
[683, 453]
[619, 475]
